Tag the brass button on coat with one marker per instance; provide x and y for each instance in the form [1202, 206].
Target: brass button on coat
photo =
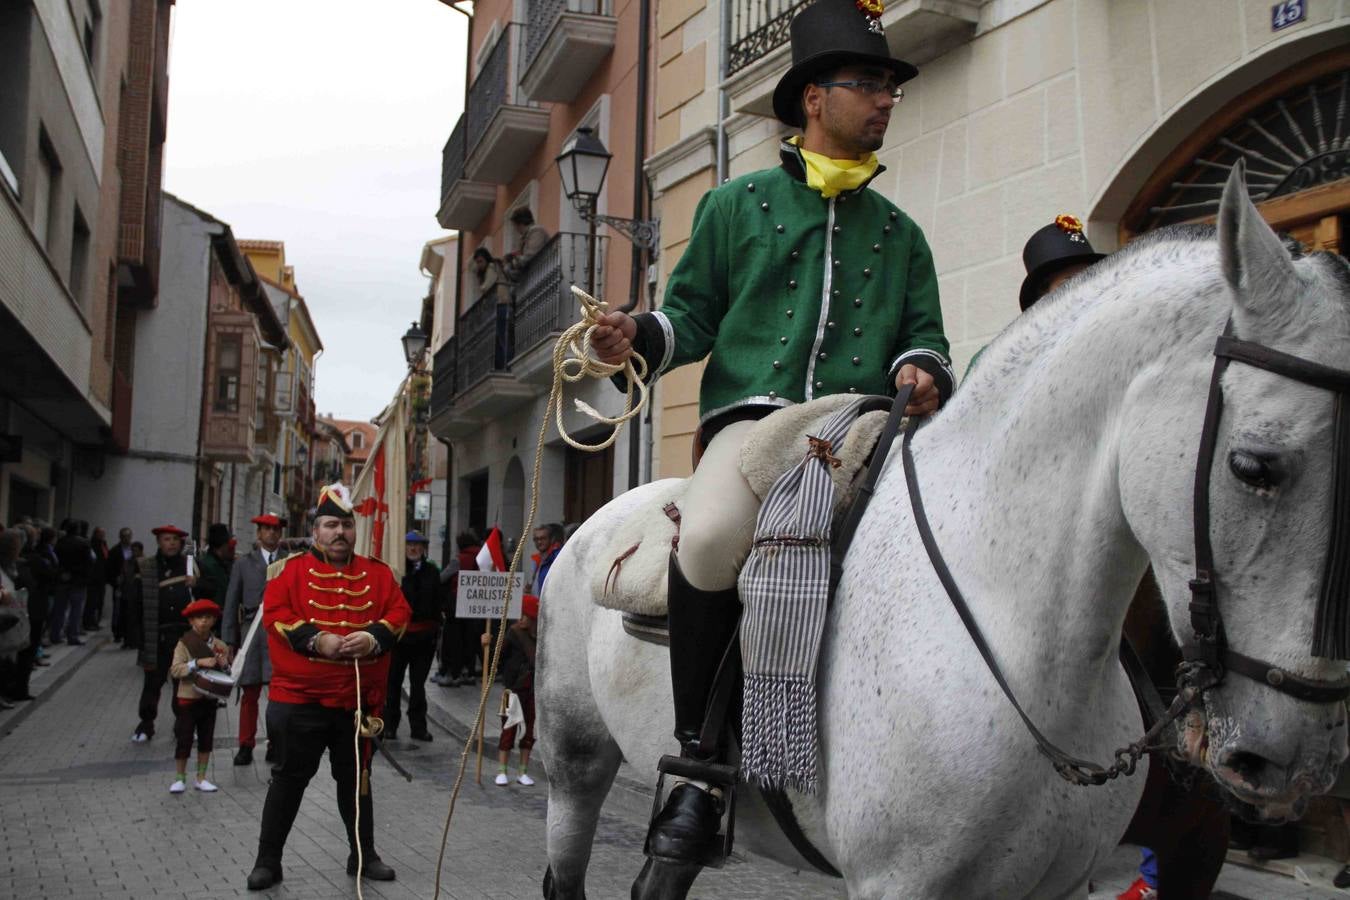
[764, 206]
[829, 325]
[794, 254]
[778, 228]
[789, 313]
[822, 355]
[857, 360]
[792, 284]
[783, 339]
[867, 273]
[778, 364]
[876, 248]
[750, 187]
[857, 302]
[857, 332]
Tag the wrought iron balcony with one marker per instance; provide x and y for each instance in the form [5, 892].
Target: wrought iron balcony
[758, 27]
[545, 306]
[565, 41]
[504, 125]
[484, 385]
[463, 202]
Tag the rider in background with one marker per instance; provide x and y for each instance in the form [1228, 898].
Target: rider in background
[798, 282]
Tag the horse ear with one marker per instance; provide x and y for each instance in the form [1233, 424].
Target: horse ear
[1255, 262]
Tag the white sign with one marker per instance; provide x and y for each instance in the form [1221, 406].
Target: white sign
[422, 506]
[481, 595]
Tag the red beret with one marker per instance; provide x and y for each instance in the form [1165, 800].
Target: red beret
[529, 606]
[168, 529]
[269, 519]
[201, 608]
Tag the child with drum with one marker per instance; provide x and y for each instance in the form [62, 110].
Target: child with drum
[200, 671]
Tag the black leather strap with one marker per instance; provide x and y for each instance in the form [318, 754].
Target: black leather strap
[1079, 771]
[780, 807]
[843, 538]
[1287, 682]
[1272, 360]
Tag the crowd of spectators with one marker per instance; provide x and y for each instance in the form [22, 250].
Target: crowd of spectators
[55, 586]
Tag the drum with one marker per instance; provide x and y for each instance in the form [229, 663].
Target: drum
[213, 683]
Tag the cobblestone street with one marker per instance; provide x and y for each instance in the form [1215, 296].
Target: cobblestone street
[87, 814]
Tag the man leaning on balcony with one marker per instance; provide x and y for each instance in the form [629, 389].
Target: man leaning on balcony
[798, 282]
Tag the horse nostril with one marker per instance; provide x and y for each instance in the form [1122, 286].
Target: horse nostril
[1247, 766]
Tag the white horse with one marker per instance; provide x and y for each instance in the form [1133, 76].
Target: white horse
[1055, 475]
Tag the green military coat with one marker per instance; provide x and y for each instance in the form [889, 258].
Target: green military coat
[793, 296]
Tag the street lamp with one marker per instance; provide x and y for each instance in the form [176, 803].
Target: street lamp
[582, 166]
[414, 343]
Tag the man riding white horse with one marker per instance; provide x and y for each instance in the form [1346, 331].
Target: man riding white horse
[798, 282]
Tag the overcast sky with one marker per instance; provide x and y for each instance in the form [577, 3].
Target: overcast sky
[320, 123]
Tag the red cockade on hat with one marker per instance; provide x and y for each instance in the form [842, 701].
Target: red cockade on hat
[168, 529]
[201, 608]
[274, 521]
[529, 606]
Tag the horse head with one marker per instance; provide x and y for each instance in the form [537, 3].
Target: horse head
[1275, 571]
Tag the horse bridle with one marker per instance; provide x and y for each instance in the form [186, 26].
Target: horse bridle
[1207, 655]
[1207, 658]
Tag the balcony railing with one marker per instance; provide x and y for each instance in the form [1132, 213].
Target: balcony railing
[565, 42]
[452, 158]
[477, 332]
[758, 27]
[544, 301]
[495, 85]
[443, 375]
[544, 13]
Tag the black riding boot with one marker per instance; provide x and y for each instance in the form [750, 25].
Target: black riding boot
[702, 628]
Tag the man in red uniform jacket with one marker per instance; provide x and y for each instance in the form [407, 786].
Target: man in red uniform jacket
[326, 612]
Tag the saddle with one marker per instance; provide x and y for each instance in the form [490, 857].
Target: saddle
[630, 574]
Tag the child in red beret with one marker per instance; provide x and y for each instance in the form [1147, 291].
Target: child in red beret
[193, 710]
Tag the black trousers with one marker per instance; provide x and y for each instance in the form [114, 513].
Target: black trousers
[461, 649]
[193, 717]
[153, 685]
[300, 733]
[413, 658]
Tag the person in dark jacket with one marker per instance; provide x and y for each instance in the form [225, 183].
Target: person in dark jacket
[93, 602]
[41, 559]
[215, 564]
[74, 559]
[117, 568]
[16, 587]
[459, 638]
[162, 589]
[413, 653]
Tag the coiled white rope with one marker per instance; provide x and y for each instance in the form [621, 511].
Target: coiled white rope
[572, 362]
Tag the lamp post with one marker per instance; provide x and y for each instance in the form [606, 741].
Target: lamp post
[414, 343]
[582, 166]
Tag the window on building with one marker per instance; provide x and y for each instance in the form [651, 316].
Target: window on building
[261, 392]
[110, 315]
[276, 478]
[46, 188]
[79, 256]
[229, 350]
[92, 26]
[285, 378]
[356, 471]
[358, 440]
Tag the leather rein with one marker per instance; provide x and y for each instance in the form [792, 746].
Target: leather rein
[1207, 658]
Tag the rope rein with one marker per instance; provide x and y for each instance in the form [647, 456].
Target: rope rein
[567, 369]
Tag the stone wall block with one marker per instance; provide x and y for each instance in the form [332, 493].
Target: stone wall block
[1034, 200]
[952, 291]
[680, 81]
[916, 179]
[984, 79]
[1007, 139]
[1115, 66]
[671, 14]
[967, 231]
[952, 176]
[1062, 134]
[1040, 46]
[991, 297]
[944, 94]
[1185, 62]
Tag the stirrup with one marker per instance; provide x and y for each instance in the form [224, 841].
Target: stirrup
[718, 775]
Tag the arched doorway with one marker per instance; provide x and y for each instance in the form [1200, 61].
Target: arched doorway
[1293, 131]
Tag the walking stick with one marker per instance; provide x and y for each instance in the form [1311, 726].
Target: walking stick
[482, 720]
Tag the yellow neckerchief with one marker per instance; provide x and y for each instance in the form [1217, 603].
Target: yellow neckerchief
[834, 176]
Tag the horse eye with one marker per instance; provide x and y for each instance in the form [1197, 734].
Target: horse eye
[1261, 472]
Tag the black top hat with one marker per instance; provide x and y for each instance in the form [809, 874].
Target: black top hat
[829, 34]
[1059, 244]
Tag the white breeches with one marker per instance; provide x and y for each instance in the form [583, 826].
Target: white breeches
[717, 514]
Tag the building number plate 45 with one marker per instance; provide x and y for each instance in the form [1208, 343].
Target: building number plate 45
[1290, 12]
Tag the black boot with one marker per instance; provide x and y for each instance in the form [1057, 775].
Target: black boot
[702, 628]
